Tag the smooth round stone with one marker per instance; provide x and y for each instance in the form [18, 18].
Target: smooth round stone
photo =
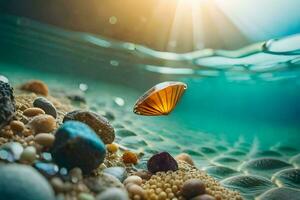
[265, 164]
[295, 160]
[192, 188]
[162, 162]
[28, 155]
[23, 182]
[85, 196]
[248, 185]
[280, 194]
[133, 142]
[31, 112]
[203, 197]
[47, 169]
[125, 133]
[186, 158]
[44, 139]
[36, 86]
[103, 182]
[287, 178]
[221, 172]
[118, 172]
[133, 179]
[113, 194]
[45, 105]
[97, 122]
[42, 124]
[14, 149]
[77, 145]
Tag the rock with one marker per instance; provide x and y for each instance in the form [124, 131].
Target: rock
[36, 86]
[77, 145]
[85, 196]
[98, 123]
[113, 194]
[136, 190]
[13, 149]
[4, 79]
[133, 180]
[118, 172]
[162, 162]
[23, 182]
[17, 126]
[103, 182]
[45, 105]
[44, 139]
[76, 97]
[7, 103]
[31, 112]
[281, 193]
[42, 124]
[129, 157]
[28, 156]
[112, 148]
[185, 157]
[204, 197]
[47, 169]
[192, 188]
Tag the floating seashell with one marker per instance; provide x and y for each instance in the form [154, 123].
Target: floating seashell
[160, 99]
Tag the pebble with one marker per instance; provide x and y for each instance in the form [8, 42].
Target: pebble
[44, 139]
[133, 179]
[129, 157]
[136, 190]
[7, 103]
[97, 122]
[36, 86]
[204, 197]
[103, 182]
[17, 126]
[57, 184]
[113, 194]
[186, 158]
[23, 182]
[85, 196]
[31, 112]
[76, 97]
[15, 150]
[75, 174]
[118, 172]
[162, 162]
[42, 124]
[77, 145]
[192, 188]
[45, 105]
[112, 148]
[28, 156]
[47, 169]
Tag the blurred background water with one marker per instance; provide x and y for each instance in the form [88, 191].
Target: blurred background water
[241, 62]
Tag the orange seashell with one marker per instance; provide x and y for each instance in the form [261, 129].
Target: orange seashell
[160, 99]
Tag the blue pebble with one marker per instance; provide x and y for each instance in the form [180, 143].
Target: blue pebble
[77, 145]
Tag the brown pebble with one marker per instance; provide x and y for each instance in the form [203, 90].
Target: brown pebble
[36, 86]
[17, 126]
[192, 188]
[57, 184]
[31, 112]
[204, 197]
[143, 174]
[44, 139]
[186, 158]
[42, 124]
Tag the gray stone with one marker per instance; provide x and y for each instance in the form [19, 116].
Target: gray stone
[45, 105]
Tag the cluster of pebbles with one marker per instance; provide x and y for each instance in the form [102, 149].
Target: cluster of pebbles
[49, 150]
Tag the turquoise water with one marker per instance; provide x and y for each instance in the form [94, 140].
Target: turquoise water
[240, 106]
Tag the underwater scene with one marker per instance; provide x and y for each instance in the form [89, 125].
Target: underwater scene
[86, 117]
